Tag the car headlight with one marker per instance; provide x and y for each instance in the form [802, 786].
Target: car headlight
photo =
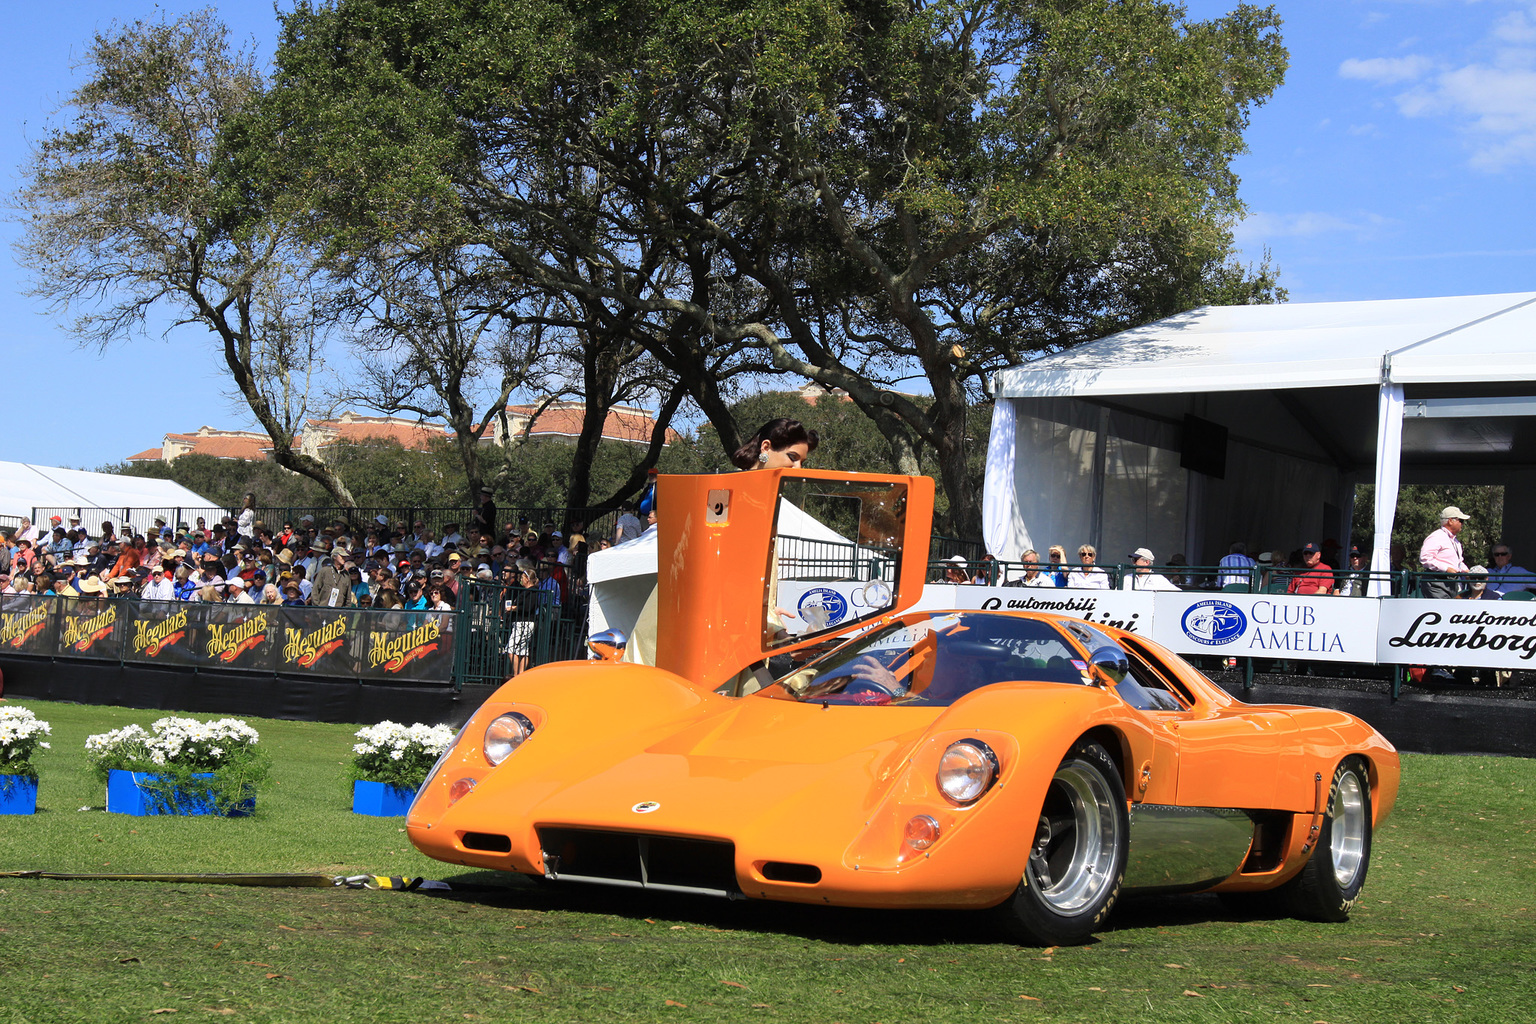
[967, 770]
[505, 734]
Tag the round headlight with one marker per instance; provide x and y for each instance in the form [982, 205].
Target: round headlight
[504, 735]
[967, 770]
[921, 832]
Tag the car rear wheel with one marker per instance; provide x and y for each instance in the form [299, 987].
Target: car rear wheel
[1077, 853]
[1330, 883]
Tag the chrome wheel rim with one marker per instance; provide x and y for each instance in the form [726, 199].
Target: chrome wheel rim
[1347, 845]
[1072, 860]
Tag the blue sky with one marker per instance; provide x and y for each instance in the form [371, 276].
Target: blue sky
[1397, 161]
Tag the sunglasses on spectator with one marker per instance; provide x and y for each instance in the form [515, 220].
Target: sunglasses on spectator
[1501, 554]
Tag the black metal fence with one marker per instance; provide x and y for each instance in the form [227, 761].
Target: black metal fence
[597, 522]
[507, 629]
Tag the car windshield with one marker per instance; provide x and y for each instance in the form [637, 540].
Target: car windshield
[933, 660]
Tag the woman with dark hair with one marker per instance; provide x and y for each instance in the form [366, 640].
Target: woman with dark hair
[246, 525]
[778, 444]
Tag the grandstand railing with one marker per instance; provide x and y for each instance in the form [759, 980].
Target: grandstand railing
[597, 521]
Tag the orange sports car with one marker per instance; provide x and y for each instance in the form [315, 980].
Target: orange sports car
[1032, 765]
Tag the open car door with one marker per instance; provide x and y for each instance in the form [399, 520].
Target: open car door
[767, 562]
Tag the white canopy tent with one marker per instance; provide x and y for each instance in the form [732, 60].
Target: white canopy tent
[96, 497]
[1254, 423]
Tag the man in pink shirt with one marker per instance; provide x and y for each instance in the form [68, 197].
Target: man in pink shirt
[1442, 553]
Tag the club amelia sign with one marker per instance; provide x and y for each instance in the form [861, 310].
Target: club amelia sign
[1267, 626]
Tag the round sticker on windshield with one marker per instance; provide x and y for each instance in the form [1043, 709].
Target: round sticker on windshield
[821, 607]
[1213, 623]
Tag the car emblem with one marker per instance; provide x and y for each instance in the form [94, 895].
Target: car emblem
[646, 807]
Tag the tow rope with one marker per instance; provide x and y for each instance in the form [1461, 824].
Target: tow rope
[397, 883]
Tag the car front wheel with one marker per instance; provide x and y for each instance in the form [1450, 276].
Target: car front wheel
[1329, 884]
[1077, 853]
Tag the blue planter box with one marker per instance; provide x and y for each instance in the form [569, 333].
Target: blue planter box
[135, 793]
[18, 794]
[379, 800]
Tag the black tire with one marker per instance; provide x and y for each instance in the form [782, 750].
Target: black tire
[1077, 854]
[1329, 884]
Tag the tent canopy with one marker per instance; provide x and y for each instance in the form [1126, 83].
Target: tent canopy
[97, 496]
[1298, 389]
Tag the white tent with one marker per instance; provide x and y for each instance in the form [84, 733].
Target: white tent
[1254, 423]
[95, 497]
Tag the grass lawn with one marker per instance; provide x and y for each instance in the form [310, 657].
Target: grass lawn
[1445, 930]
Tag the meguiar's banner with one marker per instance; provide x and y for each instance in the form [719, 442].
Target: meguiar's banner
[27, 624]
[353, 643]
[88, 627]
[240, 635]
[416, 646]
[320, 641]
[163, 633]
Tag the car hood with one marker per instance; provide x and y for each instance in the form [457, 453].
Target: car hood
[747, 770]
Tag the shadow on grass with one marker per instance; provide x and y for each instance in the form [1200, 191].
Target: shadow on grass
[830, 924]
[827, 923]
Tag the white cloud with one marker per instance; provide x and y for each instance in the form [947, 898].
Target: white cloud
[1259, 227]
[1386, 70]
[1517, 27]
[1492, 100]
[1495, 105]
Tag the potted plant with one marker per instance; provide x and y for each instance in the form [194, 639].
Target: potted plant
[181, 766]
[21, 734]
[390, 761]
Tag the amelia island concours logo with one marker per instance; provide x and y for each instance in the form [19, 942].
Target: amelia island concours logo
[1213, 623]
[821, 607]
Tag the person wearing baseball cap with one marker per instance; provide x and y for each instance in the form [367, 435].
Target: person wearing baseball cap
[1143, 578]
[237, 594]
[1441, 553]
[1315, 577]
[1356, 581]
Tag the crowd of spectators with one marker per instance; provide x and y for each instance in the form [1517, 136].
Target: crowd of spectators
[243, 560]
[1312, 569]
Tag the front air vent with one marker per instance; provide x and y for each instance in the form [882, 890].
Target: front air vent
[641, 861]
[784, 871]
[487, 842]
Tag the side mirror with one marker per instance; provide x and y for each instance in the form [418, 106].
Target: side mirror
[608, 645]
[1111, 662]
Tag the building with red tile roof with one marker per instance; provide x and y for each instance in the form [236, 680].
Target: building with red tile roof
[558, 421]
[561, 421]
[350, 428]
[220, 444]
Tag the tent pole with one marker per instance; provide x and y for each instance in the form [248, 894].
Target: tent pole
[1389, 464]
